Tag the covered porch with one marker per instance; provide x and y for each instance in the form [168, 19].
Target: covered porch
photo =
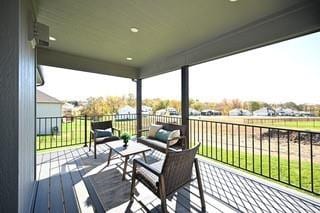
[134, 40]
[71, 180]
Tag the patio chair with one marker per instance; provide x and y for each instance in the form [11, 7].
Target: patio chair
[102, 140]
[164, 146]
[164, 178]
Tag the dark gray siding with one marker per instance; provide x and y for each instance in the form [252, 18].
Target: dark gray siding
[17, 107]
[26, 110]
[9, 56]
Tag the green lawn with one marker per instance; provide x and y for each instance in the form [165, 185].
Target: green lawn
[260, 165]
[73, 133]
[304, 125]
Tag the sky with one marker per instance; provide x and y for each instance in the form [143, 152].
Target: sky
[286, 71]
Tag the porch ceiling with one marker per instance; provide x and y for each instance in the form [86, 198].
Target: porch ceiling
[171, 33]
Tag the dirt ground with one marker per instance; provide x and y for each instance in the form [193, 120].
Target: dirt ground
[249, 137]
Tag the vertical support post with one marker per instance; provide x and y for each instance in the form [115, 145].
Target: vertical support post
[139, 106]
[185, 101]
[85, 130]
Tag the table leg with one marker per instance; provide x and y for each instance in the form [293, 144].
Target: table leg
[144, 156]
[125, 168]
[109, 157]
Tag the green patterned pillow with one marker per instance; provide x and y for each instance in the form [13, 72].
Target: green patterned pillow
[162, 135]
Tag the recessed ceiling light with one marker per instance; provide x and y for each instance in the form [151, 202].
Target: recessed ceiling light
[134, 29]
[129, 59]
[233, 0]
[52, 38]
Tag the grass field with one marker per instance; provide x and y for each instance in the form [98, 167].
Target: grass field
[73, 133]
[305, 125]
[260, 165]
[281, 122]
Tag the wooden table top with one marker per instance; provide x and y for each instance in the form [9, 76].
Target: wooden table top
[132, 148]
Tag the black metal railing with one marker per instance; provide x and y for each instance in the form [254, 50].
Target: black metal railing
[56, 132]
[290, 156]
[286, 155]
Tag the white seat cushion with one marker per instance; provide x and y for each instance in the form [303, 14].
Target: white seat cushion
[174, 134]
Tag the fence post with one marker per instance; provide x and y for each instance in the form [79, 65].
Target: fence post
[185, 102]
[85, 130]
[139, 106]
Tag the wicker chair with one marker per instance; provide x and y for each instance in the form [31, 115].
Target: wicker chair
[165, 146]
[164, 178]
[102, 140]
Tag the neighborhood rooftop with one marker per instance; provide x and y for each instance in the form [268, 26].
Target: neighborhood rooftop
[45, 98]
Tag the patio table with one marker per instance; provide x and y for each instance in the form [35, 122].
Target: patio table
[132, 148]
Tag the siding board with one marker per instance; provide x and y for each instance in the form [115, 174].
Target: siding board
[17, 104]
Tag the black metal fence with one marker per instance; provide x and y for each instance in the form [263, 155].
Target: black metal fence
[292, 122]
[285, 155]
[55, 132]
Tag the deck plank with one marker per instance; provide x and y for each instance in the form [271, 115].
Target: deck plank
[42, 197]
[72, 180]
[67, 185]
[56, 202]
[83, 198]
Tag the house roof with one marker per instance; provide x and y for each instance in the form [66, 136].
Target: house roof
[45, 98]
[95, 36]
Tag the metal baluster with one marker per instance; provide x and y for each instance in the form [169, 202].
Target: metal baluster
[299, 140]
[311, 156]
[232, 141]
[288, 142]
[278, 141]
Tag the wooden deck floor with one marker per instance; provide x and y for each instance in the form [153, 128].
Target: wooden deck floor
[72, 180]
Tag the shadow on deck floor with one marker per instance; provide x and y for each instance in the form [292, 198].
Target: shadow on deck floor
[72, 180]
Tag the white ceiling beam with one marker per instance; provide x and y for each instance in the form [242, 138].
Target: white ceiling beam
[59, 59]
[293, 22]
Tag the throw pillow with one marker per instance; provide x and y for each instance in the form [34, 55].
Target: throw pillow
[174, 134]
[99, 133]
[154, 128]
[162, 135]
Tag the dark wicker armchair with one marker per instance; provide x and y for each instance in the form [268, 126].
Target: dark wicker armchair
[165, 177]
[102, 140]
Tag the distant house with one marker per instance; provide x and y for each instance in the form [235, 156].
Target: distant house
[284, 112]
[303, 114]
[239, 112]
[161, 112]
[265, 111]
[146, 110]
[194, 112]
[168, 111]
[171, 111]
[68, 109]
[210, 112]
[50, 108]
[126, 113]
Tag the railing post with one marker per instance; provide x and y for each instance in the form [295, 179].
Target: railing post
[139, 106]
[85, 130]
[185, 101]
